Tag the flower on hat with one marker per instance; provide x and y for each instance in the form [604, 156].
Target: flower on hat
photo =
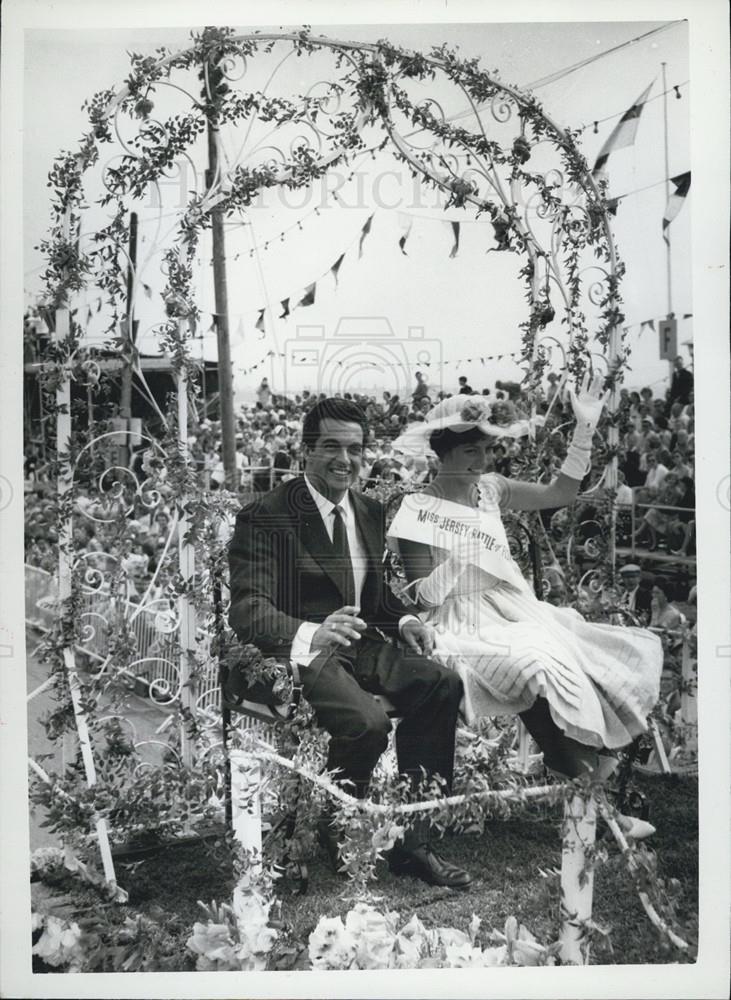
[478, 410]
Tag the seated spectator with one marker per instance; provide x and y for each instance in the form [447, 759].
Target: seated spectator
[636, 593]
[663, 614]
[656, 473]
[625, 497]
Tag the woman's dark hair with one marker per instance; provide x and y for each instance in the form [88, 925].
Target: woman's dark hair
[336, 409]
[445, 440]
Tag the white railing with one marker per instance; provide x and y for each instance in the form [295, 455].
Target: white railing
[154, 661]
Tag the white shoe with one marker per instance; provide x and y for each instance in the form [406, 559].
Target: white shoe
[635, 829]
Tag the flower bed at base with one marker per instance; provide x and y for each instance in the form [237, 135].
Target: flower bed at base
[514, 863]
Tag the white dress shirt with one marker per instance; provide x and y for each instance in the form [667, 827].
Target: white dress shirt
[301, 651]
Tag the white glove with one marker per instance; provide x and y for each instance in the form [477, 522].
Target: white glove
[431, 591]
[587, 407]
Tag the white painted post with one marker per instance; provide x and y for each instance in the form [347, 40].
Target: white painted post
[246, 801]
[65, 566]
[577, 884]
[186, 561]
[523, 748]
[659, 747]
[689, 699]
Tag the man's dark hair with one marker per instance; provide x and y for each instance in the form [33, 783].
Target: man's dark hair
[336, 409]
[462, 378]
[445, 440]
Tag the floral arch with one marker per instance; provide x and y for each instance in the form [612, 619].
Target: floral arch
[498, 158]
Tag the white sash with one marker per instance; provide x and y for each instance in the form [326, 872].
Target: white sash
[477, 537]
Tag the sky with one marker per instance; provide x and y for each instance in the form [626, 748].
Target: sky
[463, 308]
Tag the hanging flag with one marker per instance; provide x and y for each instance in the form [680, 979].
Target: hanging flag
[622, 135]
[240, 332]
[363, 233]
[147, 290]
[285, 308]
[455, 229]
[676, 200]
[309, 297]
[405, 223]
[259, 325]
[336, 267]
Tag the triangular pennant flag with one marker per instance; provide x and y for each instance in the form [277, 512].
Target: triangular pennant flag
[147, 290]
[259, 325]
[98, 305]
[612, 205]
[622, 135]
[285, 308]
[88, 314]
[363, 233]
[405, 224]
[336, 267]
[455, 229]
[309, 297]
[240, 332]
[676, 199]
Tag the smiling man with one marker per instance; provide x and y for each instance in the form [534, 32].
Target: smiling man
[307, 583]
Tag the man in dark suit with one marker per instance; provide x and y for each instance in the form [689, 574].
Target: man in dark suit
[307, 583]
[681, 384]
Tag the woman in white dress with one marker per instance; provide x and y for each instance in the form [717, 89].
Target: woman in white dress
[582, 689]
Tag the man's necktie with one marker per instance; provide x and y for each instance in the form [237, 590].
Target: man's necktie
[341, 549]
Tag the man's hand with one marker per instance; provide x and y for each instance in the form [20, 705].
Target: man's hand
[418, 637]
[341, 628]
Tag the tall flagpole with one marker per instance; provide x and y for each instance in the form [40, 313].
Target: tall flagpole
[666, 234]
[667, 185]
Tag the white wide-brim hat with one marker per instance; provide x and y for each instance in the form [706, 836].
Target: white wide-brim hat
[460, 414]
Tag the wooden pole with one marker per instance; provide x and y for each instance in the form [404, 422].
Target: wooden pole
[125, 399]
[225, 369]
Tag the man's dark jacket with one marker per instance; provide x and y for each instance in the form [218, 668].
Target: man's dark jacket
[282, 573]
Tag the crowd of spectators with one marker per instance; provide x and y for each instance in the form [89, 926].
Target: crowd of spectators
[655, 458]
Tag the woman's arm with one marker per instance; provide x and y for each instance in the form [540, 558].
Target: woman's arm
[587, 407]
[431, 585]
[539, 496]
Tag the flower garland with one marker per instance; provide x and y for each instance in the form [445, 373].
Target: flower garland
[372, 81]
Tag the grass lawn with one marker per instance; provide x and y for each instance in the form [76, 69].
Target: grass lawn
[504, 862]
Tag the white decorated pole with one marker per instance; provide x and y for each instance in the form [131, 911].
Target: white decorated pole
[577, 880]
[65, 566]
[186, 562]
[523, 748]
[662, 756]
[246, 802]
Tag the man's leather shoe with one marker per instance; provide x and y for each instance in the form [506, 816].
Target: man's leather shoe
[424, 863]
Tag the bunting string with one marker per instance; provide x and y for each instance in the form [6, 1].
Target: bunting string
[301, 357]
